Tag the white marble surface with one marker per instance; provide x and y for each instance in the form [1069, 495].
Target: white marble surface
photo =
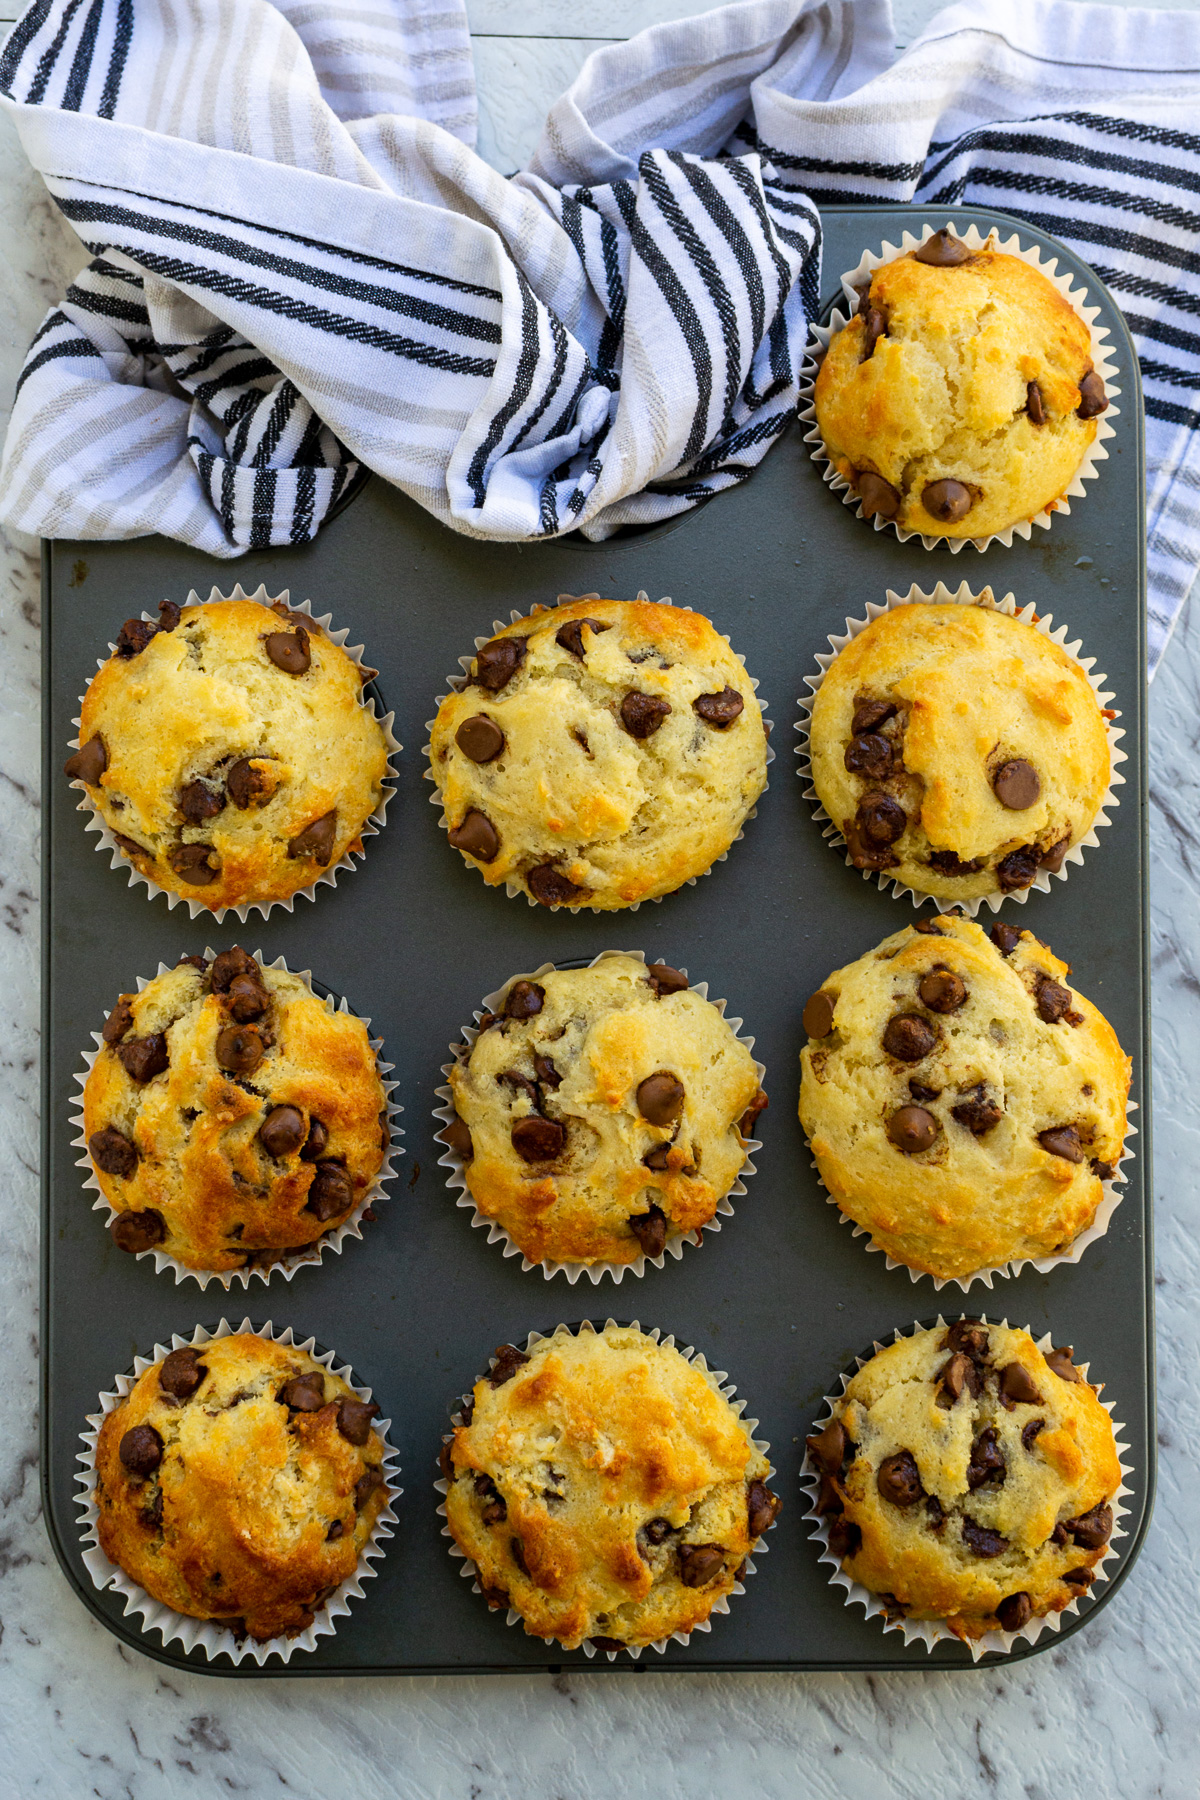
[1113, 1713]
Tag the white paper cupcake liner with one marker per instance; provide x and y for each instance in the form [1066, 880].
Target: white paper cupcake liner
[456, 683]
[333, 1240]
[933, 1631]
[210, 1635]
[457, 1179]
[719, 1381]
[328, 877]
[1075, 295]
[963, 595]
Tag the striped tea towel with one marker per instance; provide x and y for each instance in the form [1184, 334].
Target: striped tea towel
[301, 265]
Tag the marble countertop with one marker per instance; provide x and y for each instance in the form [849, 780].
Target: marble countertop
[1112, 1712]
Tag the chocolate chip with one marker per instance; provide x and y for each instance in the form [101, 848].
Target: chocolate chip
[480, 738]
[227, 965]
[239, 1049]
[948, 862]
[829, 1500]
[762, 1508]
[569, 637]
[657, 1531]
[987, 1465]
[942, 991]
[516, 1550]
[336, 1530]
[660, 1097]
[1016, 1383]
[1054, 857]
[498, 661]
[1091, 1530]
[1060, 1361]
[659, 1158]
[508, 1359]
[912, 1129]
[978, 1114]
[1017, 784]
[119, 1020]
[868, 714]
[457, 1137]
[169, 615]
[494, 1595]
[143, 1058]
[134, 1232]
[152, 1512]
[642, 714]
[830, 1447]
[719, 710]
[1105, 1170]
[369, 1480]
[650, 1230]
[899, 1479]
[316, 840]
[181, 1373]
[877, 495]
[521, 1083]
[133, 637]
[749, 1119]
[908, 1038]
[141, 1451]
[943, 251]
[193, 863]
[818, 1014]
[919, 1091]
[970, 1336]
[89, 762]
[304, 1393]
[1030, 1432]
[845, 1538]
[1033, 403]
[495, 1511]
[551, 888]
[283, 1131]
[198, 803]
[525, 1000]
[1006, 938]
[960, 1375]
[1018, 868]
[880, 819]
[664, 979]
[330, 1192]
[1079, 1578]
[247, 998]
[112, 1152]
[546, 1072]
[289, 650]
[982, 1541]
[869, 754]
[354, 1418]
[1017, 1610]
[316, 1141]
[536, 1139]
[245, 784]
[1053, 1001]
[947, 500]
[1092, 397]
[699, 1563]
[1062, 1140]
[607, 1643]
[130, 848]
[875, 327]
[935, 1513]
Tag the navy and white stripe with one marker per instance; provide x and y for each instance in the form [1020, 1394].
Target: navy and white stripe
[301, 266]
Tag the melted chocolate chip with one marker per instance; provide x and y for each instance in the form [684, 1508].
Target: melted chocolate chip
[247, 998]
[1016, 1383]
[762, 1508]
[642, 714]
[1030, 1432]
[141, 1451]
[1017, 785]
[546, 1072]
[1033, 403]
[978, 1114]
[181, 1373]
[354, 1418]
[659, 1158]
[1079, 1578]
[1053, 1001]
[657, 1531]
[550, 887]
[193, 863]
[508, 1359]
[239, 1049]
[112, 1152]
[133, 637]
[879, 820]
[700, 1563]
[845, 1538]
[869, 714]
[1018, 868]
[935, 1513]
[959, 1376]
[874, 327]
[536, 1139]
[919, 1091]
[878, 496]
[457, 1137]
[1006, 938]
[1063, 1140]
[283, 1131]
[908, 1038]
[1054, 857]
[650, 1230]
[368, 1481]
[480, 738]
[749, 1119]
[569, 637]
[987, 1465]
[304, 1393]
[899, 1479]
[498, 661]
[1092, 397]
[912, 1129]
[246, 785]
[948, 862]
[143, 1058]
[818, 1014]
[316, 1141]
[830, 1447]
[942, 991]
[331, 1191]
[607, 1643]
[719, 710]
[1060, 1361]
[1092, 1530]
[289, 650]
[929, 928]
[870, 755]
[660, 1097]
[119, 1020]
[943, 251]
[664, 979]
[1015, 1612]
[982, 1541]
[89, 762]
[947, 500]
[316, 840]
[134, 1232]
[525, 1000]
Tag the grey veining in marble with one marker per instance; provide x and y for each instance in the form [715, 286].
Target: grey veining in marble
[1113, 1713]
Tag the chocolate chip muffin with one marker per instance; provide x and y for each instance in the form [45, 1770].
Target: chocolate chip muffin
[229, 751]
[958, 749]
[605, 1488]
[232, 1117]
[964, 1105]
[602, 1113]
[239, 1481]
[968, 1477]
[599, 754]
[961, 398]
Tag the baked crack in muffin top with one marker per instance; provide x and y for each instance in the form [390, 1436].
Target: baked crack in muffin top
[961, 397]
[229, 751]
[968, 1477]
[599, 753]
[239, 1481]
[605, 1488]
[963, 1103]
[603, 1113]
[958, 749]
[232, 1117]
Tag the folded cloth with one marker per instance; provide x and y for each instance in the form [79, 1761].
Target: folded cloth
[301, 265]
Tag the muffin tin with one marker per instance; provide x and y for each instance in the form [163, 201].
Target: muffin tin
[783, 1297]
